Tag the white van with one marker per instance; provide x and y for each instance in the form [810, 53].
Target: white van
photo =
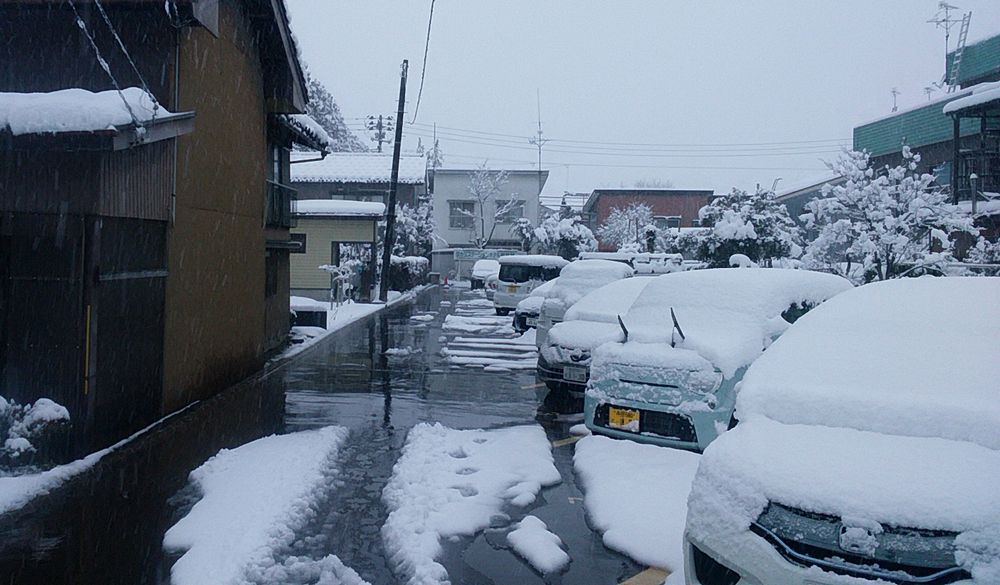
[519, 275]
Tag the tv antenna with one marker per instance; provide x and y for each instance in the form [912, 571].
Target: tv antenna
[944, 20]
[539, 141]
[895, 92]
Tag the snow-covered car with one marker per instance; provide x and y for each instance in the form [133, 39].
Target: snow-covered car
[867, 450]
[669, 378]
[519, 275]
[576, 279]
[564, 358]
[491, 285]
[527, 311]
[481, 272]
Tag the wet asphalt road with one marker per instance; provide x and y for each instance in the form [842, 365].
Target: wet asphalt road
[347, 380]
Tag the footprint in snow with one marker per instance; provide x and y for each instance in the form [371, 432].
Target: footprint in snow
[467, 471]
[467, 491]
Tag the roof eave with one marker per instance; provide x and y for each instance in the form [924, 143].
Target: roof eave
[117, 138]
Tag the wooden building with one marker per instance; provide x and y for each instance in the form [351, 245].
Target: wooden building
[146, 267]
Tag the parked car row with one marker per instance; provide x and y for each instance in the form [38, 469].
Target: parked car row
[849, 435]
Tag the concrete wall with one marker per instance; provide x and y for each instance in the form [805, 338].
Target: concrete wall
[453, 185]
[320, 233]
[214, 305]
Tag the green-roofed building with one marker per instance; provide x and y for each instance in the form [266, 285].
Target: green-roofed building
[925, 128]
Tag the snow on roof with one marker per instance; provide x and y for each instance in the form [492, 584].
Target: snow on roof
[981, 94]
[728, 315]
[807, 185]
[356, 167]
[914, 356]
[310, 128]
[917, 106]
[534, 260]
[75, 110]
[578, 278]
[339, 208]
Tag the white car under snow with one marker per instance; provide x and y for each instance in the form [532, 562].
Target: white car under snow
[576, 279]
[868, 447]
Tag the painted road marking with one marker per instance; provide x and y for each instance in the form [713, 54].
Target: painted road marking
[566, 441]
[651, 576]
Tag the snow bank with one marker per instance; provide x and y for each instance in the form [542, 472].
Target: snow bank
[916, 356]
[307, 304]
[339, 208]
[534, 260]
[915, 482]
[452, 483]
[637, 496]
[578, 278]
[254, 497]
[543, 549]
[727, 315]
[74, 110]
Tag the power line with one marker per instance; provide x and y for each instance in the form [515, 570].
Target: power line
[423, 66]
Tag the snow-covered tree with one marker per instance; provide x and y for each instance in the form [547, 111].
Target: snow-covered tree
[323, 108]
[486, 186]
[565, 237]
[435, 159]
[414, 230]
[625, 225]
[523, 232]
[756, 225]
[883, 223]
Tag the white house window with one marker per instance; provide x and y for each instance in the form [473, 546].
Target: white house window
[667, 221]
[460, 214]
[513, 214]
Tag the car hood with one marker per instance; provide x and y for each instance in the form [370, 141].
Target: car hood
[583, 335]
[912, 482]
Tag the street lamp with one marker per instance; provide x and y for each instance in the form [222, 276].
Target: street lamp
[974, 178]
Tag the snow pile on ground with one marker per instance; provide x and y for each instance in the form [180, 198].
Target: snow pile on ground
[637, 496]
[401, 351]
[307, 304]
[578, 278]
[543, 549]
[478, 324]
[727, 315]
[494, 354]
[254, 498]
[75, 110]
[24, 427]
[423, 318]
[305, 571]
[450, 483]
[890, 357]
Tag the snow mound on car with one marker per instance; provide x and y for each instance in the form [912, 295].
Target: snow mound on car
[578, 278]
[916, 357]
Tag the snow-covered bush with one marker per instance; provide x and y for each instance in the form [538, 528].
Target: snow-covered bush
[625, 225]
[756, 225]
[523, 232]
[565, 237]
[407, 272]
[28, 432]
[883, 223]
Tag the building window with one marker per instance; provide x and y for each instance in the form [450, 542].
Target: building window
[460, 214]
[667, 221]
[696, 222]
[513, 214]
[351, 194]
[301, 239]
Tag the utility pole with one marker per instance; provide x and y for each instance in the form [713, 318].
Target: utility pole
[390, 217]
[539, 142]
[379, 127]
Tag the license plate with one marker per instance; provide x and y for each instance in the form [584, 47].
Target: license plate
[531, 321]
[574, 374]
[624, 419]
[512, 289]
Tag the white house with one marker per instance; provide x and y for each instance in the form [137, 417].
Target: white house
[453, 204]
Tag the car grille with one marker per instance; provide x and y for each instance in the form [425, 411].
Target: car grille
[903, 555]
[665, 424]
[711, 572]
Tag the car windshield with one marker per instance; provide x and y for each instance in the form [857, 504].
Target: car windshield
[519, 273]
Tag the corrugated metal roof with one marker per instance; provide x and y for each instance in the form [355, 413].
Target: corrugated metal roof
[356, 167]
[916, 127]
[978, 60]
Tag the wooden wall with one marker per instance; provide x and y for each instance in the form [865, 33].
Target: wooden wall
[320, 233]
[214, 307]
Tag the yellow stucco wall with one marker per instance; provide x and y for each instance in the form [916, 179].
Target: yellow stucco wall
[320, 233]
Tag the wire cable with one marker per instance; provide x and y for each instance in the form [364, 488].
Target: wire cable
[423, 66]
[121, 45]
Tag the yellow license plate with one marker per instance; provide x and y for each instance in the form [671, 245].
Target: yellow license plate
[512, 289]
[625, 419]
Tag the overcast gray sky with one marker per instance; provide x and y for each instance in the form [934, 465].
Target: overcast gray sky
[734, 93]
